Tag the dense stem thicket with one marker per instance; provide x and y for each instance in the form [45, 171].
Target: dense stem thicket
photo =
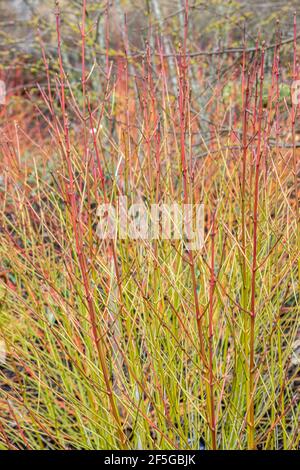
[149, 343]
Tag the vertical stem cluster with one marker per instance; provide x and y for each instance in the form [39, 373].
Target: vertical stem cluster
[76, 223]
[294, 114]
[208, 364]
[251, 388]
[211, 336]
[183, 95]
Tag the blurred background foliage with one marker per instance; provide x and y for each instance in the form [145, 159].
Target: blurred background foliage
[213, 25]
[115, 28]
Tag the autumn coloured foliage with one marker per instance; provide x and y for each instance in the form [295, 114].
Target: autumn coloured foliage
[143, 342]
